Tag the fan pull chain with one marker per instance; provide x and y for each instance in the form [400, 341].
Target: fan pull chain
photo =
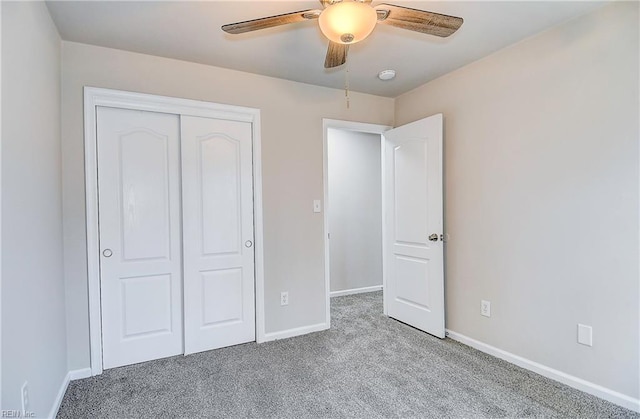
[346, 85]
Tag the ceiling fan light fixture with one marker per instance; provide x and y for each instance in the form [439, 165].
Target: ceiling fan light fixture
[348, 22]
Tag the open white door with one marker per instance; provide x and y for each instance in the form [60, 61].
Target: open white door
[413, 227]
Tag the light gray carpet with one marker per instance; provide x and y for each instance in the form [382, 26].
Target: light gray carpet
[366, 366]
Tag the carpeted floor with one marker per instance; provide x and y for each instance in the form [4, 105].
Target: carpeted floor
[366, 366]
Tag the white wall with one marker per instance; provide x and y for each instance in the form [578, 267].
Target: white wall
[0, 210]
[541, 166]
[355, 209]
[33, 313]
[292, 138]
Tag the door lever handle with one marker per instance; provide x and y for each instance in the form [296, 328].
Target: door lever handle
[433, 237]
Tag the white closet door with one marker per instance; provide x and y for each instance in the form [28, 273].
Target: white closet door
[140, 261]
[217, 187]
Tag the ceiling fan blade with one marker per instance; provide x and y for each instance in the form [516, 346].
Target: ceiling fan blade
[418, 20]
[271, 21]
[336, 55]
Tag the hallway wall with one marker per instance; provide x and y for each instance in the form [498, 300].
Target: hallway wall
[355, 209]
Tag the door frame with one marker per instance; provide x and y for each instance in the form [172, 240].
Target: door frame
[356, 127]
[93, 97]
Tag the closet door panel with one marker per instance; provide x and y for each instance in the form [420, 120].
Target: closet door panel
[219, 182]
[217, 200]
[140, 237]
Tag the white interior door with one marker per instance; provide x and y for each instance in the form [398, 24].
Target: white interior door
[140, 241]
[413, 268]
[217, 187]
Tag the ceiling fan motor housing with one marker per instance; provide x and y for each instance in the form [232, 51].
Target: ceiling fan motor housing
[326, 3]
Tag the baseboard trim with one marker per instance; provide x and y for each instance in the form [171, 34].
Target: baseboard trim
[298, 331]
[355, 291]
[58, 400]
[80, 374]
[71, 375]
[570, 380]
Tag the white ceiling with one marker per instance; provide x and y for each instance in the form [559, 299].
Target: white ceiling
[190, 31]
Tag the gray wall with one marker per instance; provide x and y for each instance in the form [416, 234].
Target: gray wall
[355, 209]
[292, 138]
[541, 166]
[33, 311]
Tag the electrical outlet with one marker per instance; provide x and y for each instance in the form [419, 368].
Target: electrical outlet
[485, 308]
[585, 335]
[284, 298]
[25, 396]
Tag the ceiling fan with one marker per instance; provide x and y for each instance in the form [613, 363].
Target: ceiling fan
[345, 22]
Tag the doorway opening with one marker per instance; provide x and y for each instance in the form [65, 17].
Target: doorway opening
[353, 218]
[403, 237]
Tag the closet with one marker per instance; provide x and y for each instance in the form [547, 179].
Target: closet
[176, 234]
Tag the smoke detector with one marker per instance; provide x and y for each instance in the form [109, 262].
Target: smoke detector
[386, 75]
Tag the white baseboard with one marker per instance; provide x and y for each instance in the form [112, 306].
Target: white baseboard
[355, 291]
[80, 374]
[298, 331]
[620, 399]
[58, 400]
[71, 375]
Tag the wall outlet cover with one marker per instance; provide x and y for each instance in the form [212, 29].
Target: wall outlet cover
[485, 308]
[25, 396]
[585, 335]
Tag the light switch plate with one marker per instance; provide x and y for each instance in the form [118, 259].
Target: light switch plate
[317, 206]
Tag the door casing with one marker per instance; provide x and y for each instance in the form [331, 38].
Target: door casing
[94, 97]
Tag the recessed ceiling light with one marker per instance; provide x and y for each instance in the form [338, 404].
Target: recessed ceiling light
[386, 75]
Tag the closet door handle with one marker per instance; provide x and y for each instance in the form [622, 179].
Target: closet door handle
[248, 243]
[107, 253]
